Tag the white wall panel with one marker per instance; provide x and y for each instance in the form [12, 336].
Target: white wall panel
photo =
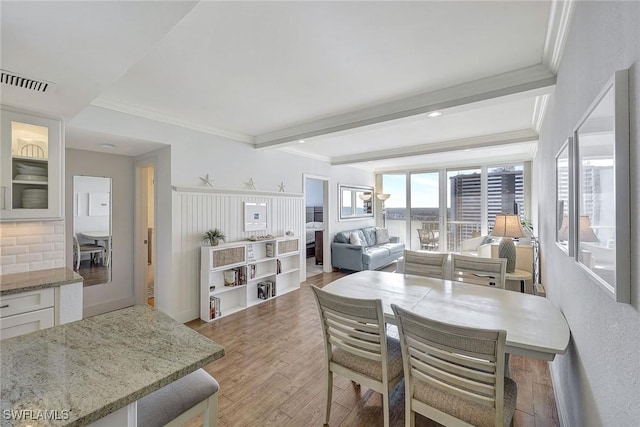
[199, 212]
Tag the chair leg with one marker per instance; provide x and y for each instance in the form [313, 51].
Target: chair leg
[411, 419]
[385, 408]
[211, 414]
[327, 414]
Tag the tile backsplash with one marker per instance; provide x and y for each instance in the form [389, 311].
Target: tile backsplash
[31, 246]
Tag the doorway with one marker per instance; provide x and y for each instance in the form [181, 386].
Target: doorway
[316, 195]
[146, 233]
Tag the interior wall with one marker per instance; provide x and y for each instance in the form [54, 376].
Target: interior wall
[120, 292]
[597, 383]
[231, 165]
[313, 192]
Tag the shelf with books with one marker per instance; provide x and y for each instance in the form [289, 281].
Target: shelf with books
[246, 273]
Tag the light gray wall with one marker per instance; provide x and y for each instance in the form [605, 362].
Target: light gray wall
[597, 382]
[313, 192]
[120, 292]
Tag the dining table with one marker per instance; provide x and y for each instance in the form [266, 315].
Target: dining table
[98, 236]
[535, 326]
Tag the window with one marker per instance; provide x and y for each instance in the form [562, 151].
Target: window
[473, 198]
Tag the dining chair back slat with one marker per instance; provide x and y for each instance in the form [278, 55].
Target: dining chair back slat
[479, 271]
[428, 264]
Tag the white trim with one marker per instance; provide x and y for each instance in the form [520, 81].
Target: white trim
[557, 31]
[484, 141]
[165, 118]
[234, 191]
[529, 81]
[539, 111]
[326, 209]
[557, 391]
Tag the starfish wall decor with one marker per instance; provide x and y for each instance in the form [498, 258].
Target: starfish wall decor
[251, 184]
[207, 181]
[281, 186]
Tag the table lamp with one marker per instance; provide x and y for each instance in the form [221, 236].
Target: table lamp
[507, 226]
[382, 197]
[585, 232]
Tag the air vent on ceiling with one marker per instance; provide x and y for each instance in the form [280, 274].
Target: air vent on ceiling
[15, 79]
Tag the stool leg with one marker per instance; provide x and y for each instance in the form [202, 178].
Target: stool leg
[211, 414]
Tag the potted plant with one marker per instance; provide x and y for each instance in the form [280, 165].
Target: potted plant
[213, 236]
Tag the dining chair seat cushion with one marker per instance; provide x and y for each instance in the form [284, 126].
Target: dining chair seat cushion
[463, 409]
[371, 368]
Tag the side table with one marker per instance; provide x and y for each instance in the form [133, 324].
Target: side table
[520, 275]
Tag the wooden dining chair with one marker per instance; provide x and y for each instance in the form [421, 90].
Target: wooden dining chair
[454, 375]
[479, 271]
[357, 347]
[428, 264]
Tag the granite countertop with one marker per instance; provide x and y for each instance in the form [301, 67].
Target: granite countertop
[33, 280]
[85, 370]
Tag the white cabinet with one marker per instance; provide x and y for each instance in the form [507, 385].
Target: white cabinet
[25, 312]
[237, 275]
[31, 162]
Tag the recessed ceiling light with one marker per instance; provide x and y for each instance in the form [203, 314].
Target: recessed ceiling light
[433, 114]
[301, 141]
[468, 149]
[107, 146]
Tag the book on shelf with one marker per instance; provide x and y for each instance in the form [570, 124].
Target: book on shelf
[214, 307]
[250, 253]
[266, 289]
[279, 267]
[235, 276]
[252, 271]
[270, 248]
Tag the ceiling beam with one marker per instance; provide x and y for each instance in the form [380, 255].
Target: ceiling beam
[525, 82]
[513, 137]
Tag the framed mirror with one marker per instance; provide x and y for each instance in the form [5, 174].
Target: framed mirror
[92, 229]
[564, 197]
[355, 202]
[602, 189]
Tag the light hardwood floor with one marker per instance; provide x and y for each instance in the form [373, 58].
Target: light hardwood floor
[273, 374]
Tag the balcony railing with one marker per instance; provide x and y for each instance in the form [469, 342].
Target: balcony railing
[457, 231]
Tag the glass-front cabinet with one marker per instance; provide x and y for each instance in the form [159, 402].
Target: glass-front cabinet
[31, 162]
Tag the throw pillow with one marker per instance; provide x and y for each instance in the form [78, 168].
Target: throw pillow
[382, 236]
[354, 239]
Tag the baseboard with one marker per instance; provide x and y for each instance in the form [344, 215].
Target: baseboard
[555, 382]
[93, 310]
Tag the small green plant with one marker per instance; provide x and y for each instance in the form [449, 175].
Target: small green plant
[213, 237]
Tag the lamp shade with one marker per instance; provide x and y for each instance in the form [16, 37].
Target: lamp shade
[383, 196]
[365, 196]
[563, 232]
[507, 226]
[585, 232]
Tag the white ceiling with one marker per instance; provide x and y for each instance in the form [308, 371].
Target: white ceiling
[353, 79]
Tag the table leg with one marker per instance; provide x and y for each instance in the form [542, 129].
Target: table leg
[522, 286]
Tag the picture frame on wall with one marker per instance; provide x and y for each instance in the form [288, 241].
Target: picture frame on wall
[255, 216]
[602, 210]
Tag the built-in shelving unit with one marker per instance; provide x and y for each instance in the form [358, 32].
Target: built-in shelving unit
[237, 275]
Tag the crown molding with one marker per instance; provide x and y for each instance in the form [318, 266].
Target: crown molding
[557, 31]
[504, 138]
[165, 118]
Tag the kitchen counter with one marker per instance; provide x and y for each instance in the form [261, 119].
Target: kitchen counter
[82, 371]
[34, 280]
